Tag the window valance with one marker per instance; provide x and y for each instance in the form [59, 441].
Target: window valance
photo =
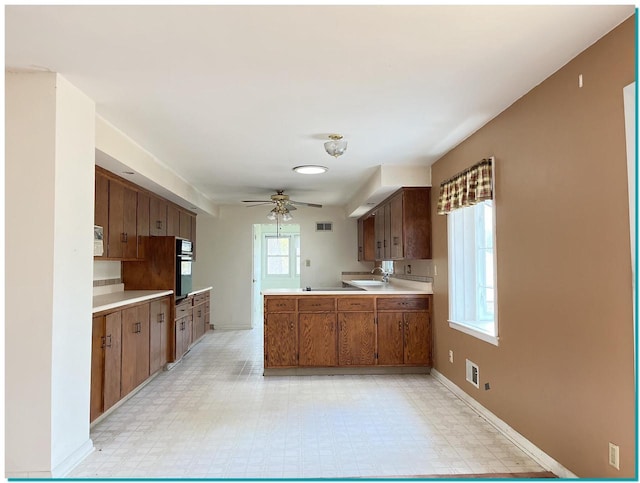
[467, 188]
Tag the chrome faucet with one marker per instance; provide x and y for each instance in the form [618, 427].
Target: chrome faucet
[385, 275]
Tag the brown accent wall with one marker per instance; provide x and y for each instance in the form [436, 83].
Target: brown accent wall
[563, 373]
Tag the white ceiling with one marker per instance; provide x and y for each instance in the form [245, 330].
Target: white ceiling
[233, 97]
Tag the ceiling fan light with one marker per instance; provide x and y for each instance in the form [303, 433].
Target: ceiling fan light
[272, 215]
[311, 169]
[337, 146]
[287, 216]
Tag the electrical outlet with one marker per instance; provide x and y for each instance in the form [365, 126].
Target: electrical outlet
[451, 357]
[614, 456]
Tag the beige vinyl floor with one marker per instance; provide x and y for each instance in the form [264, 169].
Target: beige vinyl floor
[216, 416]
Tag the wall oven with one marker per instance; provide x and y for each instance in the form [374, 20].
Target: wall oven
[184, 262]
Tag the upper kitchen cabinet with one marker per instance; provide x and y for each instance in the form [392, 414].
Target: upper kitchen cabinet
[127, 212]
[401, 227]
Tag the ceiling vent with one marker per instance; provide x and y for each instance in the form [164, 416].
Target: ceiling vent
[324, 226]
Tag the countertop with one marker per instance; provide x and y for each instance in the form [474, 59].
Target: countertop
[125, 297]
[392, 288]
[199, 290]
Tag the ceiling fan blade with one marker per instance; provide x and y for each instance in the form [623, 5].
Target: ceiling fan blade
[257, 201]
[313, 205]
[290, 207]
[259, 204]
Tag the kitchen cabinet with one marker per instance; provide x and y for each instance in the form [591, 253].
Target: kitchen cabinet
[183, 329]
[185, 225]
[173, 221]
[347, 330]
[402, 226]
[159, 333]
[357, 338]
[281, 340]
[135, 347]
[101, 209]
[317, 346]
[366, 239]
[198, 316]
[142, 222]
[404, 331]
[122, 236]
[157, 217]
[105, 363]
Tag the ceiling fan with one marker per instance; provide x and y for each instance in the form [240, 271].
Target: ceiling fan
[282, 200]
[283, 206]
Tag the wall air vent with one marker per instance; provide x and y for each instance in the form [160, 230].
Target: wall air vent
[473, 373]
[324, 226]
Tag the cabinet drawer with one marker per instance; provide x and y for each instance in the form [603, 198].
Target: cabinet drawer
[183, 308]
[281, 305]
[199, 299]
[401, 303]
[364, 304]
[316, 304]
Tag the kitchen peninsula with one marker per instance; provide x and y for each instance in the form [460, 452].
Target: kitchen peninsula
[364, 328]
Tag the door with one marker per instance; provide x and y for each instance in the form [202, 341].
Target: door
[390, 338]
[158, 334]
[97, 367]
[318, 339]
[135, 347]
[281, 340]
[356, 339]
[112, 359]
[417, 343]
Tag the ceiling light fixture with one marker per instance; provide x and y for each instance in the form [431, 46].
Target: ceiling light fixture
[310, 169]
[337, 146]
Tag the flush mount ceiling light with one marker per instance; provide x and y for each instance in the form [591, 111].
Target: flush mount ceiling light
[337, 146]
[310, 169]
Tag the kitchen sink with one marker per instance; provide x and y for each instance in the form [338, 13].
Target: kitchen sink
[331, 289]
[370, 283]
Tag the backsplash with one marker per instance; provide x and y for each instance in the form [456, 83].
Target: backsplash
[106, 271]
[108, 281]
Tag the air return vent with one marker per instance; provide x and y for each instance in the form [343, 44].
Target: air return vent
[473, 373]
[324, 226]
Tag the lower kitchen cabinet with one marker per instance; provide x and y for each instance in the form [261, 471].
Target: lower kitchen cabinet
[105, 363]
[159, 333]
[281, 340]
[317, 345]
[183, 335]
[135, 347]
[404, 338]
[357, 338]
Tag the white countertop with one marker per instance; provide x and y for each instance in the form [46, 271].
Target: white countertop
[125, 297]
[200, 290]
[392, 288]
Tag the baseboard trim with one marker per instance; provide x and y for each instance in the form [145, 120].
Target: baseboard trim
[71, 461]
[539, 456]
[345, 370]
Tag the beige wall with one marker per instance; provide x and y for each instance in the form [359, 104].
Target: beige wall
[563, 374]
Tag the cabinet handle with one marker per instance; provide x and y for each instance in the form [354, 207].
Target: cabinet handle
[291, 326]
[399, 325]
[199, 313]
[396, 240]
[103, 342]
[161, 317]
[109, 337]
[123, 237]
[379, 244]
[159, 224]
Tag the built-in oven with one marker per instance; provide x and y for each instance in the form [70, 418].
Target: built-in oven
[184, 262]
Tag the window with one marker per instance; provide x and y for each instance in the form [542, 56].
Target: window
[283, 255]
[472, 282]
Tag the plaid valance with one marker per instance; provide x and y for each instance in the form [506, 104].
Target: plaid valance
[467, 188]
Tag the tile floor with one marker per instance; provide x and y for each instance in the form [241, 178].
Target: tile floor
[215, 416]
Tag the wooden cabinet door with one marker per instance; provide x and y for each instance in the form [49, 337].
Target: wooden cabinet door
[173, 221]
[281, 340]
[101, 209]
[396, 240]
[387, 232]
[158, 334]
[198, 321]
[193, 236]
[360, 239]
[356, 339]
[185, 225]
[416, 212]
[417, 341]
[97, 367]
[130, 225]
[112, 359]
[318, 339]
[379, 233]
[135, 347]
[390, 338]
[157, 217]
[179, 338]
[116, 222]
[369, 242]
[142, 223]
